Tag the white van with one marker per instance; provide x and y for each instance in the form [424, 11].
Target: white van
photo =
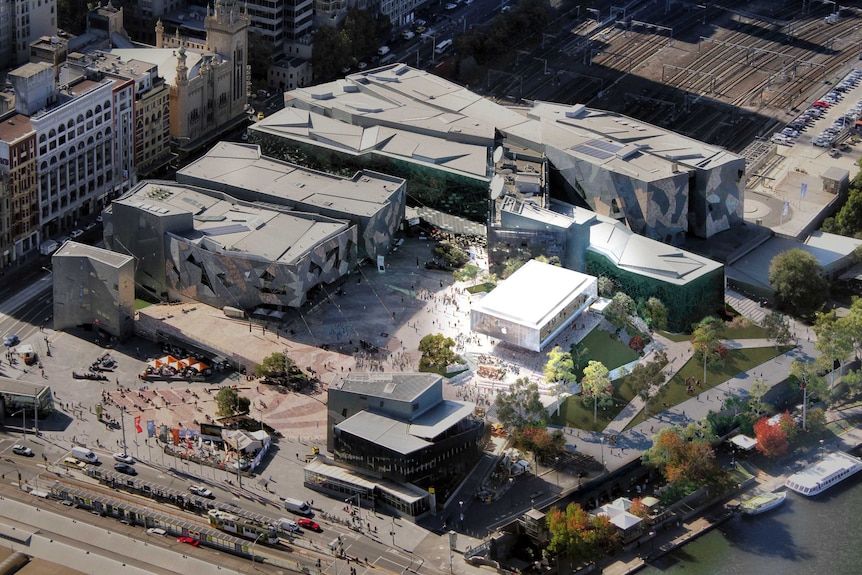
[781, 139]
[84, 454]
[298, 507]
[48, 247]
[288, 525]
[383, 50]
[442, 46]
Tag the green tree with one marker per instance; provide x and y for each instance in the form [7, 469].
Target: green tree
[646, 378]
[596, 387]
[706, 343]
[806, 378]
[436, 351]
[560, 371]
[798, 281]
[452, 255]
[621, 307]
[834, 342]
[330, 53]
[853, 323]
[275, 367]
[521, 406]
[72, 15]
[655, 312]
[229, 402]
[777, 328]
[607, 287]
[756, 394]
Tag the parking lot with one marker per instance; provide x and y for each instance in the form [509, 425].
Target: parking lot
[834, 115]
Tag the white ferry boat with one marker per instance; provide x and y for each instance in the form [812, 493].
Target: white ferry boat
[829, 471]
[763, 503]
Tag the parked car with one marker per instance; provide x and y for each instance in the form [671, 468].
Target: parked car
[156, 531]
[22, 450]
[820, 104]
[125, 468]
[307, 523]
[189, 541]
[451, 6]
[408, 34]
[124, 458]
[201, 491]
[76, 234]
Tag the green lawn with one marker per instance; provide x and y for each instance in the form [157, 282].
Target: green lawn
[751, 332]
[612, 353]
[141, 304]
[603, 347]
[738, 360]
[575, 414]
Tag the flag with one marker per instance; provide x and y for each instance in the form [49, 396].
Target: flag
[785, 210]
[138, 427]
[151, 428]
[803, 190]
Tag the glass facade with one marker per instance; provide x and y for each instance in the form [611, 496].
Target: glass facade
[13, 401]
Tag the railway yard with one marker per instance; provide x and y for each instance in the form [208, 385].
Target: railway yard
[727, 73]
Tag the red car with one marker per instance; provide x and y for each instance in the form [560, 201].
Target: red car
[307, 523]
[820, 104]
[189, 541]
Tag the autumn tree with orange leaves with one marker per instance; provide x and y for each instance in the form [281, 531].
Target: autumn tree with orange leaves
[687, 463]
[772, 439]
[578, 535]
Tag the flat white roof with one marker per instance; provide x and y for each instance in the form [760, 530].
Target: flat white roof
[534, 294]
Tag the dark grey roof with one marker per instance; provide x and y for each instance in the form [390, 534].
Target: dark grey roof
[384, 431]
[440, 418]
[398, 386]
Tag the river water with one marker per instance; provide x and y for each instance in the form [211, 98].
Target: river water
[818, 536]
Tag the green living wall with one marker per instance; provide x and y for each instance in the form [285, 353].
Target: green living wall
[426, 186]
[686, 304]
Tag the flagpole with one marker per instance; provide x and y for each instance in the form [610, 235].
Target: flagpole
[123, 427]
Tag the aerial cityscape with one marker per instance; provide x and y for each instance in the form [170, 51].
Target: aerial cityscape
[480, 286]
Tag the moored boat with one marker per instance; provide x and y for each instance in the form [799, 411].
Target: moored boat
[829, 471]
[763, 502]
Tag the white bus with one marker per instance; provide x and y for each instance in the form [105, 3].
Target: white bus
[441, 46]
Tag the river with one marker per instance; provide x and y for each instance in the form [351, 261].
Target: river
[804, 536]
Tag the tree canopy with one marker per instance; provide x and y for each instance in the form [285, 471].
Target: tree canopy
[777, 328]
[686, 462]
[621, 307]
[436, 351]
[521, 406]
[646, 377]
[798, 281]
[772, 439]
[655, 313]
[560, 367]
[230, 402]
[578, 535]
[596, 387]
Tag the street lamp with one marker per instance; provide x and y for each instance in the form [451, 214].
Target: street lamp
[557, 467]
[511, 493]
[358, 503]
[603, 449]
[256, 539]
[23, 413]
